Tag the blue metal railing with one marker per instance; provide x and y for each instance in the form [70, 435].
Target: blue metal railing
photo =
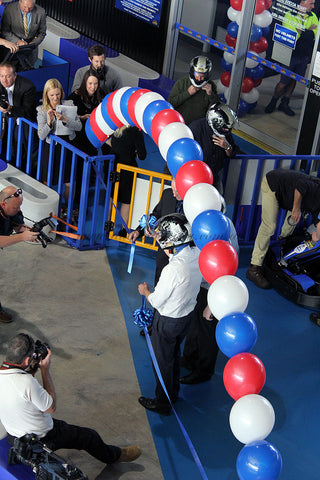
[94, 198]
[247, 178]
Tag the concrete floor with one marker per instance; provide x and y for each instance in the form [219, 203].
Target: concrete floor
[68, 299]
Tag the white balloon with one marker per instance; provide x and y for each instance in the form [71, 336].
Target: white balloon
[170, 133]
[220, 87]
[199, 198]
[142, 104]
[101, 122]
[251, 63]
[229, 57]
[251, 418]
[263, 20]
[226, 295]
[252, 96]
[116, 104]
[233, 15]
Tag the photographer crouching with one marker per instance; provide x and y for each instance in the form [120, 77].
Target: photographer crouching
[11, 220]
[26, 406]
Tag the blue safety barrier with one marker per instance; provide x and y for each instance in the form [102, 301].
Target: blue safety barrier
[221, 46]
[95, 195]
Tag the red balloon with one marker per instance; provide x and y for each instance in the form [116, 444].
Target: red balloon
[268, 3]
[162, 119]
[257, 82]
[244, 374]
[110, 111]
[236, 4]
[260, 7]
[217, 258]
[230, 41]
[191, 173]
[260, 46]
[132, 103]
[247, 85]
[225, 78]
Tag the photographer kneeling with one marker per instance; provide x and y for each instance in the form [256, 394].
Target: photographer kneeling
[11, 219]
[26, 406]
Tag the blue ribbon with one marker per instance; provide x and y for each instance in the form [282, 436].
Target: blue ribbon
[142, 319]
[148, 221]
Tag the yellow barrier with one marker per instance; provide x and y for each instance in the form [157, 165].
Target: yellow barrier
[153, 178]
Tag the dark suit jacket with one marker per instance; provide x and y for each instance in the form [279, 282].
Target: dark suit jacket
[24, 98]
[12, 26]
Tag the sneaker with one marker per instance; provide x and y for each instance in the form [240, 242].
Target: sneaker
[129, 454]
[284, 107]
[5, 317]
[271, 105]
[254, 273]
[315, 318]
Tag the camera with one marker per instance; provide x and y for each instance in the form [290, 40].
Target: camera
[38, 226]
[44, 462]
[4, 102]
[40, 353]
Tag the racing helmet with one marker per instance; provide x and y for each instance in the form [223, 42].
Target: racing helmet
[202, 65]
[174, 230]
[221, 119]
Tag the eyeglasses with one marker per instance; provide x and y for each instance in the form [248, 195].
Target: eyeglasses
[15, 194]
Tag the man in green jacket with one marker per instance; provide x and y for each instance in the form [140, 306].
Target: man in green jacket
[193, 95]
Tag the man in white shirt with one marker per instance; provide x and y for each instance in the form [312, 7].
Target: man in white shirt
[174, 299]
[26, 407]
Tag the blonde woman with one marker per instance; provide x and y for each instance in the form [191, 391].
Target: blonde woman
[52, 119]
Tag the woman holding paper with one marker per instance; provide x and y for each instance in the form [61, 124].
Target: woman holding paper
[59, 117]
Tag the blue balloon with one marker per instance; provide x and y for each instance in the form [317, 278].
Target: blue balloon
[256, 72]
[151, 111]
[225, 65]
[222, 98]
[242, 108]
[182, 151]
[236, 333]
[232, 29]
[265, 31]
[210, 225]
[91, 136]
[259, 460]
[256, 33]
[251, 106]
[105, 114]
[124, 104]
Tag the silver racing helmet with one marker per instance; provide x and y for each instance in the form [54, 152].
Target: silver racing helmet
[203, 66]
[173, 230]
[221, 119]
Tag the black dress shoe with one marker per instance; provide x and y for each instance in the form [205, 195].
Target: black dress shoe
[194, 378]
[151, 404]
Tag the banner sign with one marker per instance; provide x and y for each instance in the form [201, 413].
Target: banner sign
[146, 10]
[285, 36]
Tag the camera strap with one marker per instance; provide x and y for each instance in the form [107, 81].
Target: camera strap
[7, 366]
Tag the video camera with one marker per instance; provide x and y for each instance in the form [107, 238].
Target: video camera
[38, 226]
[40, 352]
[44, 462]
[4, 102]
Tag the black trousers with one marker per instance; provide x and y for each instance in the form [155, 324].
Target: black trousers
[167, 335]
[64, 435]
[200, 348]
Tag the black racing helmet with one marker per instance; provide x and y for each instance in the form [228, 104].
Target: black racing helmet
[202, 65]
[221, 119]
[174, 230]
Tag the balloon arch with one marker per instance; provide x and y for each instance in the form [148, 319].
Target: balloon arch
[252, 416]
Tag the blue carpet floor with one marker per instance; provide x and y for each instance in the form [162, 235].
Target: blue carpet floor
[288, 345]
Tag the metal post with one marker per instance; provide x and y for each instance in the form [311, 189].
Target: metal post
[172, 38]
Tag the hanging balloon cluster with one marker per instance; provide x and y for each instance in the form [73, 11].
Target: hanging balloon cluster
[258, 45]
[252, 416]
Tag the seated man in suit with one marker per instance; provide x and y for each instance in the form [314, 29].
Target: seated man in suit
[24, 23]
[17, 99]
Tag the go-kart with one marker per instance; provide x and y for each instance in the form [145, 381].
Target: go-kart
[293, 269]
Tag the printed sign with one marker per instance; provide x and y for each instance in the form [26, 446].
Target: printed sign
[147, 10]
[285, 36]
